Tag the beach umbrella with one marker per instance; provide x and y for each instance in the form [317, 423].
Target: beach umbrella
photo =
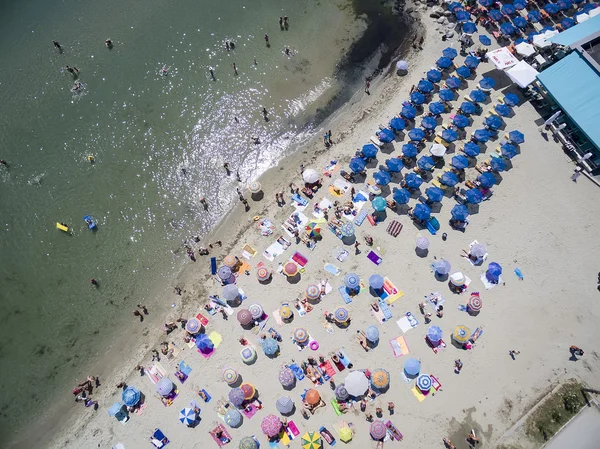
[478, 250]
[380, 378]
[478, 96]
[473, 196]
[312, 397]
[397, 124]
[376, 281]
[460, 212]
[434, 76]
[270, 346]
[311, 440]
[472, 149]
[474, 304]
[551, 8]
[313, 292]
[386, 135]
[290, 269]
[485, 40]
[310, 176]
[248, 354]
[233, 418]
[352, 281]
[434, 334]
[519, 4]
[402, 65]
[416, 134]
[534, 16]
[204, 344]
[444, 62]
[341, 393]
[409, 150]
[462, 16]
[498, 164]
[434, 194]
[495, 14]
[224, 272]
[471, 62]
[486, 180]
[193, 326]
[461, 334]
[285, 312]
[446, 94]
[413, 181]
[469, 28]
[378, 430]
[493, 272]
[463, 71]
[248, 443]
[425, 163]
[356, 383]
[441, 266]
[453, 82]
[449, 53]
[437, 149]
[425, 86]
[509, 151]
[422, 212]
[236, 396]
[458, 279]
[256, 311]
[230, 293]
[516, 137]
[230, 261]
[486, 3]
[417, 98]
[341, 315]
[347, 229]
[455, 7]
[263, 274]
[248, 389]
[284, 405]
[422, 243]
[493, 121]
[357, 165]
[188, 416]
[286, 376]
[230, 376]
[520, 22]
[164, 386]
[313, 228]
[115, 409]
[460, 162]
[401, 196]
[300, 335]
[408, 111]
[372, 334]
[382, 177]
[468, 108]
[412, 367]
[481, 135]
[429, 122]
[131, 396]
[379, 204]
[394, 164]
[460, 121]
[449, 135]
[436, 108]
[508, 9]
[449, 179]
[487, 83]
[271, 425]
[503, 110]
[254, 187]
[244, 316]
[424, 382]
[589, 8]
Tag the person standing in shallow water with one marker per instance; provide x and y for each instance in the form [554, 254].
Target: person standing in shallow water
[267, 40]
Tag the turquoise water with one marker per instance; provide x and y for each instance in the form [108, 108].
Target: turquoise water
[144, 130]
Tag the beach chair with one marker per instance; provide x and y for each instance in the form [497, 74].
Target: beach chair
[433, 225]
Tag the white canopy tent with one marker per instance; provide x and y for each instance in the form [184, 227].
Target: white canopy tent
[502, 58]
[525, 49]
[522, 74]
[543, 40]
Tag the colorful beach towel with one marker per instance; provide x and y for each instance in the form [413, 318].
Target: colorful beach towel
[248, 252]
[203, 320]
[387, 313]
[299, 259]
[216, 338]
[394, 228]
[399, 346]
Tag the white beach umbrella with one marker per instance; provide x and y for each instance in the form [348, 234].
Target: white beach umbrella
[356, 383]
[437, 149]
[310, 176]
[458, 279]
[402, 65]
[525, 49]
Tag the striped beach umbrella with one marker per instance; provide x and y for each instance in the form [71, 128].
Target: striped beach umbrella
[424, 382]
[248, 443]
[313, 292]
[244, 317]
[230, 261]
[236, 396]
[378, 430]
[256, 311]
[233, 418]
[352, 281]
[300, 335]
[311, 440]
[255, 187]
[285, 405]
[341, 393]
[248, 389]
[380, 378]
[187, 416]
[434, 334]
[312, 397]
[271, 425]
[193, 326]
[285, 312]
[290, 269]
[263, 274]
[270, 346]
[230, 375]
[287, 378]
[474, 304]
[461, 334]
[224, 272]
[341, 315]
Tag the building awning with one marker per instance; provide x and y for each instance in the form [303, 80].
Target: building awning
[575, 86]
[578, 32]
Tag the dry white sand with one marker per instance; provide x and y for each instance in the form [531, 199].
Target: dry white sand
[537, 219]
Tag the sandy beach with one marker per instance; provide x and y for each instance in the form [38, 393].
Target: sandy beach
[537, 220]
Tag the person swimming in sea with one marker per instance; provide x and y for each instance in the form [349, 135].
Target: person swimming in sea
[164, 71]
[77, 87]
[58, 46]
[72, 70]
[108, 43]
[3, 162]
[212, 73]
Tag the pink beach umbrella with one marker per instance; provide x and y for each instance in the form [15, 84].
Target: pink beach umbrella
[290, 269]
[271, 425]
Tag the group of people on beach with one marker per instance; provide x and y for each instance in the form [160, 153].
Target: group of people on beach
[84, 390]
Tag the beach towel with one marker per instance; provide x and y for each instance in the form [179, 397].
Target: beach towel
[203, 320]
[159, 439]
[299, 221]
[335, 231]
[342, 184]
[208, 397]
[393, 432]
[243, 267]
[356, 208]
[207, 355]
[216, 338]
[139, 409]
[438, 348]
[344, 358]
[298, 199]
[420, 396]
[185, 368]
[404, 324]
[373, 257]
[488, 285]
[332, 269]
[299, 259]
[387, 313]
[284, 438]
[360, 217]
[370, 219]
[213, 265]
[277, 317]
[330, 168]
[435, 383]
[434, 300]
[339, 253]
[248, 252]
[266, 227]
[273, 445]
[297, 371]
[250, 411]
[344, 292]
[378, 315]
[293, 430]
[328, 327]
[276, 249]
[336, 407]
[327, 369]
[335, 191]
[399, 346]
[389, 292]
[394, 228]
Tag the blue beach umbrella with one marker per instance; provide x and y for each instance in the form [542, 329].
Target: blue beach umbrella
[486, 180]
[416, 134]
[481, 135]
[493, 272]
[551, 8]
[503, 110]
[347, 229]
[520, 22]
[379, 204]
[564, 4]
[204, 344]
[462, 16]
[469, 28]
[493, 121]
[236, 396]
[455, 6]
[449, 135]
[511, 100]
[471, 62]
[520, 40]
[397, 124]
[131, 396]
[567, 23]
[468, 108]
[429, 123]
[409, 111]
[369, 150]
[449, 179]
[351, 281]
[435, 194]
[486, 3]
[413, 181]
[434, 75]
[463, 71]
[164, 386]
[495, 14]
[394, 164]
[444, 62]
[357, 164]
[436, 108]
[472, 149]
[508, 9]
[460, 162]
[425, 86]
[498, 164]
[409, 150]
[382, 178]
[386, 135]
[460, 212]
[520, 4]
[534, 16]
[187, 416]
[507, 28]
[509, 151]
[270, 346]
[417, 98]
[478, 96]
[412, 367]
[485, 40]
[425, 163]
[401, 196]
[473, 196]
[446, 95]
[449, 53]
[372, 333]
[487, 83]
[424, 382]
[516, 137]
[422, 212]
[460, 121]
[224, 273]
[589, 7]
[434, 333]
[376, 282]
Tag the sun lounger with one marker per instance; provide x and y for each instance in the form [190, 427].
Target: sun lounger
[344, 359]
[433, 225]
[394, 228]
[344, 292]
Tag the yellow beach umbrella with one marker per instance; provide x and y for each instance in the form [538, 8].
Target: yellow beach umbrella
[230, 261]
[285, 312]
[461, 334]
[345, 434]
[311, 440]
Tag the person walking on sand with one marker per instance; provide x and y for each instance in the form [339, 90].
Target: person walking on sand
[234, 69]
[513, 353]
[367, 86]
[137, 313]
[329, 137]
[574, 350]
[143, 309]
[265, 113]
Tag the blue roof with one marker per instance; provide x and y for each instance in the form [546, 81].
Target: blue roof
[575, 86]
[578, 32]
